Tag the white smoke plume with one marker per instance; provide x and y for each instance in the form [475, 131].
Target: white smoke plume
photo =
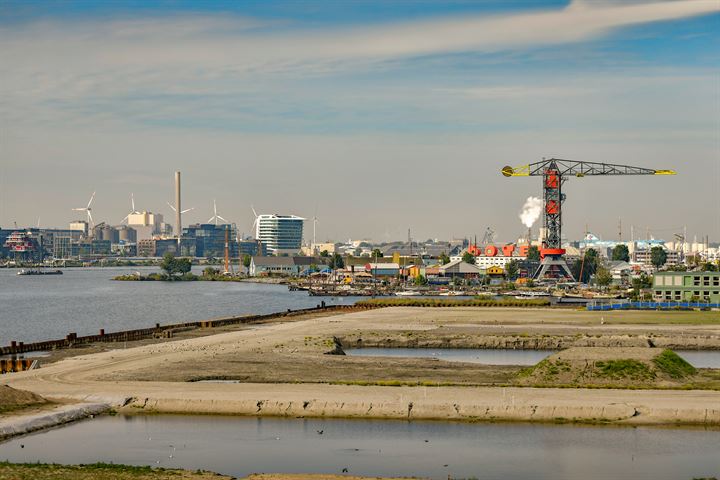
[531, 211]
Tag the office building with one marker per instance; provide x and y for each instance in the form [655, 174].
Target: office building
[686, 286]
[280, 234]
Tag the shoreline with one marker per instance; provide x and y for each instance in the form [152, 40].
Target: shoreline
[154, 378]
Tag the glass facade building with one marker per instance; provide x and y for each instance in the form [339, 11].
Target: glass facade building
[280, 233]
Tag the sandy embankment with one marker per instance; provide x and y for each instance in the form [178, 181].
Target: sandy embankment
[107, 377]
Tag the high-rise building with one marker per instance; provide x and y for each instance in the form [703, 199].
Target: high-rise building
[280, 233]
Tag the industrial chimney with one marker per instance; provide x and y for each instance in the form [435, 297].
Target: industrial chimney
[178, 209]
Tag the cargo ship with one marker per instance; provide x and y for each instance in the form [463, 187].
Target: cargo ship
[39, 272]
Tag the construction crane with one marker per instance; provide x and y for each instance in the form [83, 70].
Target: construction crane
[554, 172]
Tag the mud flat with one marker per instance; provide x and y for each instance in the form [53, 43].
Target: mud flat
[285, 371]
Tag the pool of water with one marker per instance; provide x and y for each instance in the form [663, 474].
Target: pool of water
[471, 355]
[701, 359]
[239, 446]
[505, 356]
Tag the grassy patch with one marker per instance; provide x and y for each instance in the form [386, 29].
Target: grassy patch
[625, 368]
[96, 471]
[673, 365]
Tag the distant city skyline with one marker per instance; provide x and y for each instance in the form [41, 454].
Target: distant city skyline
[373, 116]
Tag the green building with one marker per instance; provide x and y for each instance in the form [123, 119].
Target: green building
[686, 286]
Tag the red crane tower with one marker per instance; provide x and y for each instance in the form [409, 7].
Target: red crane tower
[554, 172]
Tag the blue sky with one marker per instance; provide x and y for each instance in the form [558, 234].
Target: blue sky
[283, 104]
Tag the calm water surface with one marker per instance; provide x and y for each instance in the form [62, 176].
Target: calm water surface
[507, 356]
[84, 300]
[499, 356]
[239, 446]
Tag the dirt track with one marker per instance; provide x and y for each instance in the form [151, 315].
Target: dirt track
[115, 376]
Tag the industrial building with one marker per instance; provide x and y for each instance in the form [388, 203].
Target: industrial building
[686, 286]
[280, 234]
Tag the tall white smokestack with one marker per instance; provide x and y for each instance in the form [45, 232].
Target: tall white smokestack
[178, 207]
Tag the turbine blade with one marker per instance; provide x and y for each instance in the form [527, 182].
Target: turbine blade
[92, 223]
[185, 211]
[221, 218]
[210, 220]
[78, 209]
[132, 201]
[91, 200]
[170, 205]
[126, 217]
[253, 210]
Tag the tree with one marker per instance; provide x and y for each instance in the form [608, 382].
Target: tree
[468, 258]
[709, 267]
[511, 269]
[420, 280]
[174, 266]
[324, 254]
[533, 253]
[247, 260]
[658, 257]
[585, 268]
[183, 265]
[621, 253]
[376, 253]
[443, 259]
[603, 277]
[336, 261]
[210, 272]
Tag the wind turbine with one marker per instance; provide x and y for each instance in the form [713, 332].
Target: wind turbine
[87, 209]
[255, 222]
[216, 217]
[182, 211]
[133, 211]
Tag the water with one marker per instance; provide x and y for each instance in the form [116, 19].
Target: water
[84, 300]
[498, 356]
[239, 446]
[701, 359]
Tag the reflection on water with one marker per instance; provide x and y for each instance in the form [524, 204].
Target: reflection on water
[505, 356]
[239, 446]
[500, 356]
[701, 359]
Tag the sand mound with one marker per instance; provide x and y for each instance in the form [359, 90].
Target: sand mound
[12, 399]
[610, 367]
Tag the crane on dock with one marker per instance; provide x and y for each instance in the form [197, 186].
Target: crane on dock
[554, 172]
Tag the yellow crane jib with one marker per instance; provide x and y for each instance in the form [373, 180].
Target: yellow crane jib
[554, 172]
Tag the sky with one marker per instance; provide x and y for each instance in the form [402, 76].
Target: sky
[374, 116]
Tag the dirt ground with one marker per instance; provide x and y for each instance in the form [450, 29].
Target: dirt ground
[295, 352]
[284, 370]
[10, 471]
[13, 400]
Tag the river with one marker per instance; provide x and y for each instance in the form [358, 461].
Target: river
[84, 300]
[239, 446]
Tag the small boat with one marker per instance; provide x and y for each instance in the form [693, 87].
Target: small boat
[527, 295]
[451, 293]
[39, 272]
[408, 293]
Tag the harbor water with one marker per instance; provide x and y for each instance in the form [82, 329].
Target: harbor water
[84, 300]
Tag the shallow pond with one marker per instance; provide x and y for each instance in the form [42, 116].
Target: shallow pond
[240, 445]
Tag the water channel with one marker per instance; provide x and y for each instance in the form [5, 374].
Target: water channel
[505, 356]
[240, 445]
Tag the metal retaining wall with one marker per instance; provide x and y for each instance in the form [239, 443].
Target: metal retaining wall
[652, 305]
[71, 339]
